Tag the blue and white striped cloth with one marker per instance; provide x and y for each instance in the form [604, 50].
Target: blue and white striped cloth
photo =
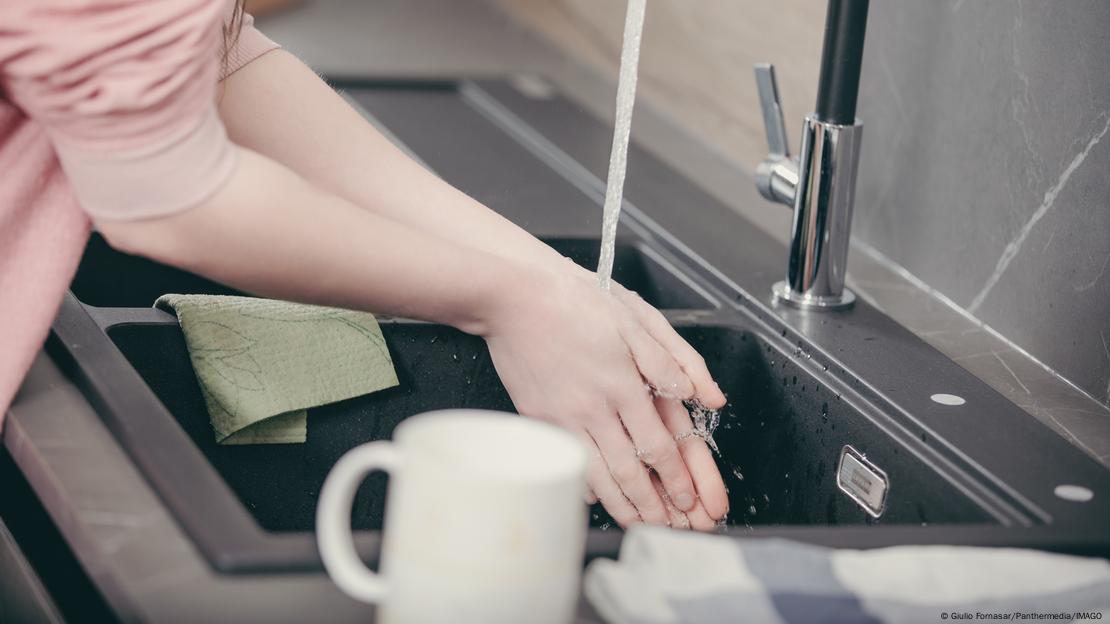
[667, 577]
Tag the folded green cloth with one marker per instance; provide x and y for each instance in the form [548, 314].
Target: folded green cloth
[261, 363]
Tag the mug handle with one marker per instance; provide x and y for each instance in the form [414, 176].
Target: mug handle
[333, 519]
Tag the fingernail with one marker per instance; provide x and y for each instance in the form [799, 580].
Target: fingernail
[684, 501]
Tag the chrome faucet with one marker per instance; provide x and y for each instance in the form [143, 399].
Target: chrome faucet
[820, 183]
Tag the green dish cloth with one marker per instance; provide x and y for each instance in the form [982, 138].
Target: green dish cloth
[262, 363]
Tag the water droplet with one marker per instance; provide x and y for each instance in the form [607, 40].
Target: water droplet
[705, 422]
[751, 509]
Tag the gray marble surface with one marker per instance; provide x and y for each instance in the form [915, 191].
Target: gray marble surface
[986, 171]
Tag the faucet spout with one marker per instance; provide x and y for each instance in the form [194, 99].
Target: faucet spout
[820, 184]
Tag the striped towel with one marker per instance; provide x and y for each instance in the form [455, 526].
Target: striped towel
[666, 577]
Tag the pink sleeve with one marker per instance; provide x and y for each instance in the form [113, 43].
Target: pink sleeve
[126, 92]
[250, 45]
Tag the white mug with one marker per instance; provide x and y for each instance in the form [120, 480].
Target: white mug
[484, 521]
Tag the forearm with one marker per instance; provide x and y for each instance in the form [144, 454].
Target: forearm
[278, 107]
[269, 232]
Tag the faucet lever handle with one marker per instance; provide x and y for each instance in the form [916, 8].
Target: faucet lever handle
[772, 110]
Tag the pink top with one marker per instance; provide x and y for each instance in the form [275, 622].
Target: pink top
[107, 109]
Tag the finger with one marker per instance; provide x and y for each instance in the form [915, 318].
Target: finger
[604, 488]
[677, 517]
[629, 472]
[662, 372]
[692, 363]
[698, 459]
[657, 447]
[699, 519]
[591, 498]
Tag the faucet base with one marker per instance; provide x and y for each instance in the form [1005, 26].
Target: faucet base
[785, 295]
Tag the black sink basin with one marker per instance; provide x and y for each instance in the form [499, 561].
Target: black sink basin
[780, 438]
[109, 278]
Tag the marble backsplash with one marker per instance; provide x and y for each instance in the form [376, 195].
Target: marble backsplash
[986, 171]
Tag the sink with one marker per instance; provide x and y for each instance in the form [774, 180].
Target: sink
[109, 278]
[780, 438]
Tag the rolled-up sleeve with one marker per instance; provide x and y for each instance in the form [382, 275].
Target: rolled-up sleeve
[126, 93]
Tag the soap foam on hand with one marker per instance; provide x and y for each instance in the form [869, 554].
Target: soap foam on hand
[618, 158]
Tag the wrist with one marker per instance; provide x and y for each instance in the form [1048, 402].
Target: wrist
[521, 297]
[512, 297]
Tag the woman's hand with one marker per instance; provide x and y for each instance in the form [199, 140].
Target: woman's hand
[572, 354]
[712, 503]
[706, 391]
[652, 321]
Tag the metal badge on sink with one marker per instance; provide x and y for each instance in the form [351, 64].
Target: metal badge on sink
[862, 481]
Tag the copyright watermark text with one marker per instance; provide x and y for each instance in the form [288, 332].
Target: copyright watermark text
[1023, 616]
